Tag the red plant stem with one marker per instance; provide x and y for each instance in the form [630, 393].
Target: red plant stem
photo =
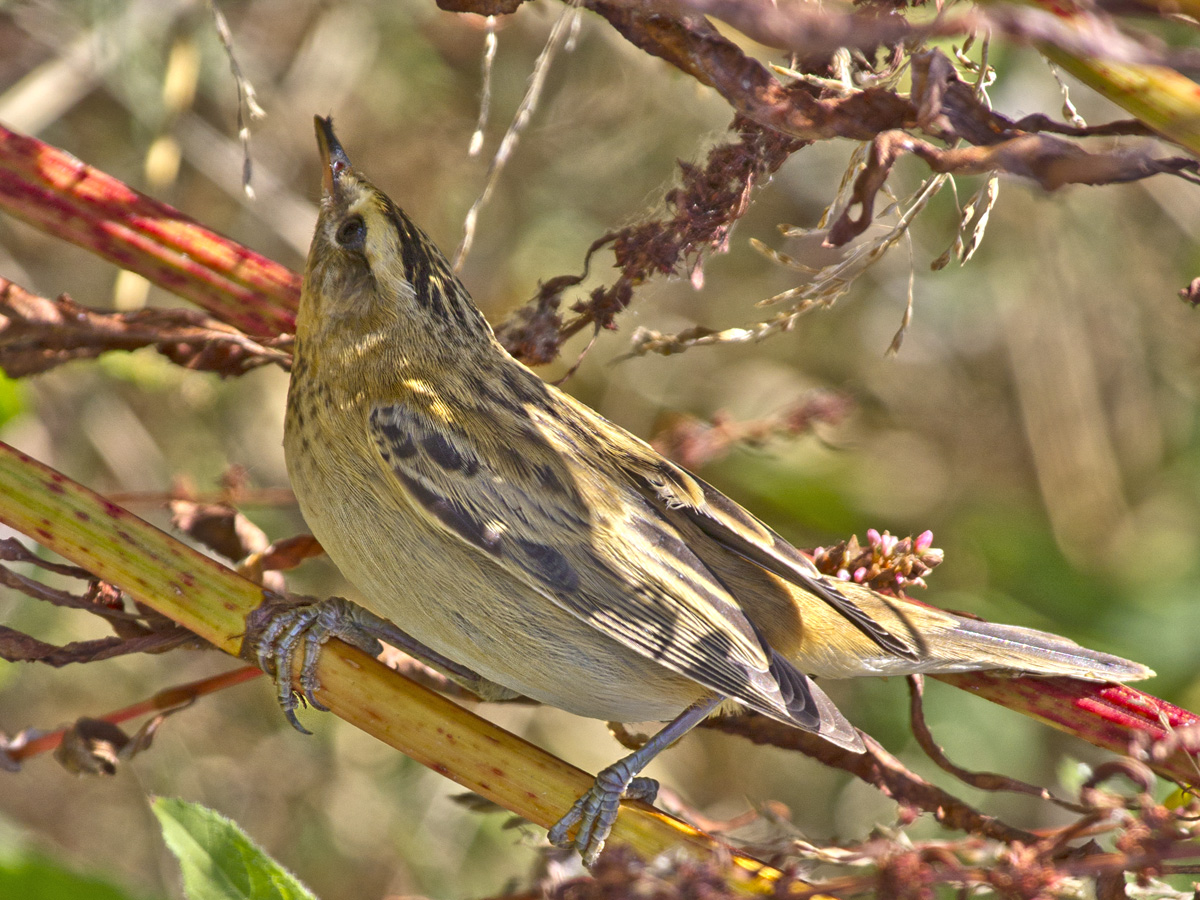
[56, 193]
[1107, 715]
[163, 700]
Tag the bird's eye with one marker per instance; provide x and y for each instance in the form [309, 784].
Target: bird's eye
[352, 233]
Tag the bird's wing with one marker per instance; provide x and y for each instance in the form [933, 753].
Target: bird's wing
[591, 542]
[679, 493]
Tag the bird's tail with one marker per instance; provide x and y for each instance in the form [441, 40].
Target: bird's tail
[944, 642]
[1030, 651]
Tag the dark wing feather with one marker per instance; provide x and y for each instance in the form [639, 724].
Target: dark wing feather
[609, 558]
[681, 493]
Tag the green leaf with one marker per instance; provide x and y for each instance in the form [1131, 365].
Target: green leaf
[218, 859]
[35, 877]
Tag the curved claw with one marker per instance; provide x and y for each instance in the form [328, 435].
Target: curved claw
[279, 641]
[289, 713]
[596, 811]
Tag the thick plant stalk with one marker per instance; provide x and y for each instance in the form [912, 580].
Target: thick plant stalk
[56, 193]
[1164, 99]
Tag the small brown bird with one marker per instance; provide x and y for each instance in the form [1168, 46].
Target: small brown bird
[518, 541]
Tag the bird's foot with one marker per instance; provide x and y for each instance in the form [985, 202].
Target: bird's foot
[596, 811]
[278, 629]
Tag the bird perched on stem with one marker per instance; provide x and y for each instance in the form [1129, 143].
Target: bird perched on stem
[522, 544]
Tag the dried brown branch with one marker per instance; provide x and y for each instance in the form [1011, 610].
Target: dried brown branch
[878, 768]
[37, 334]
[693, 443]
[1040, 122]
[952, 110]
[703, 210]
[695, 47]
[100, 598]
[811, 32]
[12, 550]
[815, 33]
[985, 781]
[1148, 840]
[38, 591]
[140, 630]
[1035, 871]
[16, 646]
[1050, 161]
[947, 108]
[781, 118]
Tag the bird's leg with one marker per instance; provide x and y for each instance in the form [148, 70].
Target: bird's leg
[277, 630]
[596, 811]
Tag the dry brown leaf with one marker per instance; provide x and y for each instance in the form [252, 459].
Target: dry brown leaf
[37, 334]
[219, 527]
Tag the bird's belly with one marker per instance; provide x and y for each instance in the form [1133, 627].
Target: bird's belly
[517, 638]
[459, 603]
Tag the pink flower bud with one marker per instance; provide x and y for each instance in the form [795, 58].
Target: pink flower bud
[924, 541]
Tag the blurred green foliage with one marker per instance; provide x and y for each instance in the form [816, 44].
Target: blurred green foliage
[35, 877]
[1040, 416]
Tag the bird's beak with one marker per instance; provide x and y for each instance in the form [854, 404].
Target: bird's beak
[333, 158]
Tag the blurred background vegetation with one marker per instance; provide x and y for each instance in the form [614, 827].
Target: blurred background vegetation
[1040, 416]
